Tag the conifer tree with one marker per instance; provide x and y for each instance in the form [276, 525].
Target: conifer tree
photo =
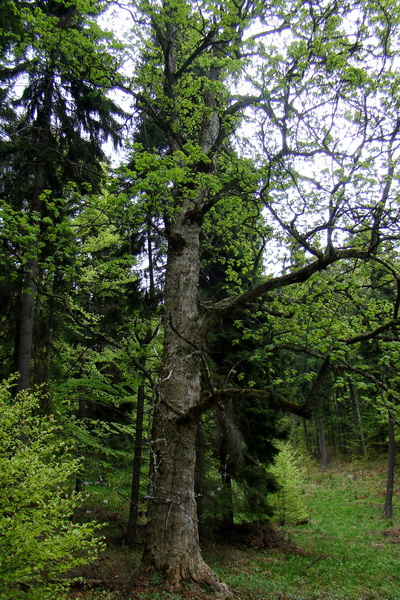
[288, 504]
[56, 73]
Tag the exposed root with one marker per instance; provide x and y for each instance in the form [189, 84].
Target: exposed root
[210, 578]
[202, 576]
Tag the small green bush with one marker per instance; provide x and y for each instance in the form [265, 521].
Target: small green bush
[287, 502]
[39, 540]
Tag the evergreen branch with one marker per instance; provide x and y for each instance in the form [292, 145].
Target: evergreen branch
[83, 322]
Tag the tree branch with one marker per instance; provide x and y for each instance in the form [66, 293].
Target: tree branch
[208, 40]
[273, 399]
[369, 335]
[230, 305]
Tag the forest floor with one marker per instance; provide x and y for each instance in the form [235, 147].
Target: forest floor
[347, 550]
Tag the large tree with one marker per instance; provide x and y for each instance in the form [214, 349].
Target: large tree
[291, 104]
[56, 66]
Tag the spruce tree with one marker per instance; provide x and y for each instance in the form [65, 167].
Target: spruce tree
[57, 73]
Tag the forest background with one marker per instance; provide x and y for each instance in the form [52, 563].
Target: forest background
[232, 282]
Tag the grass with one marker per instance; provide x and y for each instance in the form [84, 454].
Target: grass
[342, 553]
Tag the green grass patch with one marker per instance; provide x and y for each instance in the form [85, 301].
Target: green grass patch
[342, 553]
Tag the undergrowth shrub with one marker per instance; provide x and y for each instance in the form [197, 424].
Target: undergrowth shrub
[39, 541]
[287, 503]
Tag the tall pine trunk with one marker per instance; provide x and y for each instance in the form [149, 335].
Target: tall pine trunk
[29, 292]
[26, 321]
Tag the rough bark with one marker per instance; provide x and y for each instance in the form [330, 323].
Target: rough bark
[137, 466]
[29, 292]
[25, 342]
[388, 510]
[172, 541]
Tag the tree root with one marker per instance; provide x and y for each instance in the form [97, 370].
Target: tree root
[202, 576]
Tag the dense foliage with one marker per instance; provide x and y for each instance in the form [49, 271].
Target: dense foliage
[242, 261]
[40, 540]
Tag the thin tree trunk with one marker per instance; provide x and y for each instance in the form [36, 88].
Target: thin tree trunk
[361, 429]
[228, 513]
[138, 447]
[307, 441]
[388, 510]
[200, 471]
[26, 321]
[358, 433]
[137, 466]
[29, 291]
[334, 440]
[321, 433]
[339, 425]
[82, 406]
[322, 443]
[225, 461]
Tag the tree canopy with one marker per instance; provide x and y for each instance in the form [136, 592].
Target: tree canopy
[258, 204]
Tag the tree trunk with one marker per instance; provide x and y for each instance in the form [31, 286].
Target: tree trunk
[357, 422]
[25, 341]
[306, 440]
[26, 321]
[200, 471]
[225, 464]
[322, 443]
[321, 432]
[172, 540]
[388, 510]
[29, 291]
[137, 466]
[339, 426]
[82, 406]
